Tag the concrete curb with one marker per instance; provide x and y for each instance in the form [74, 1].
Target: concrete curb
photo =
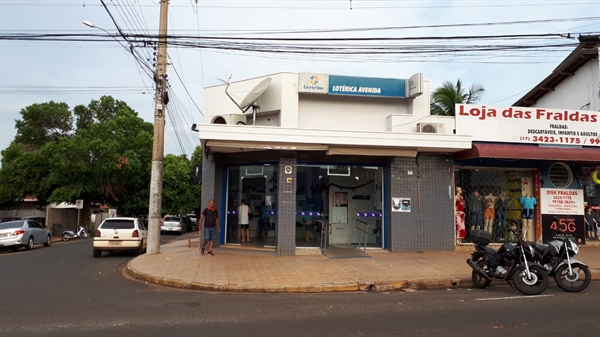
[323, 288]
[308, 288]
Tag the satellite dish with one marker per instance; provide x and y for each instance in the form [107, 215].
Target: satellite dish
[250, 100]
[254, 94]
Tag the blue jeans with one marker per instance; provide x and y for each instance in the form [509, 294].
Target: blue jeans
[210, 234]
[476, 219]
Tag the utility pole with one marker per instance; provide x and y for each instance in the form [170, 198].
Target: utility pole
[158, 144]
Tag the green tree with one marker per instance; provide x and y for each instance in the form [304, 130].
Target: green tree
[445, 97]
[180, 194]
[107, 159]
[23, 165]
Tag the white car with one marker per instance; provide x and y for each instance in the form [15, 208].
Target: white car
[121, 234]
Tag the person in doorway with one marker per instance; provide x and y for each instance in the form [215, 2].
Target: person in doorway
[528, 202]
[264, 223]
[309, 223]
[232, 223]
[475, 205]
[244, 220]
[459, 203]
[590, 223]
[488, 214]
[211, 226]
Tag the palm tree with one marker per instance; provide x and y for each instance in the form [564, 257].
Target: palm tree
[445, 97]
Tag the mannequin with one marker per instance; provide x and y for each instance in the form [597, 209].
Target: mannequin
[528, 202]
[474, 205]
[501, 207]
[488, 215]
[459, 215]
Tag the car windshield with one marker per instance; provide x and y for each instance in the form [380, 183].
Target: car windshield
[172, 218]
[117, 224]
[11, 224]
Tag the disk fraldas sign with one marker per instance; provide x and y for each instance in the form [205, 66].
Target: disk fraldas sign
[528, 125]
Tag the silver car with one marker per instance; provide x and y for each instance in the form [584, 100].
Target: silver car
[24, 233]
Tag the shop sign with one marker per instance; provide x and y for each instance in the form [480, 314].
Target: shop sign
[365, 86]
[528, 125]
[415, 85]
[562, 214]
[400, 204]
[313, 83]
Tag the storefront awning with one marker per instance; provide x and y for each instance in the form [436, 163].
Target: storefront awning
[222, 138]
[534, 152]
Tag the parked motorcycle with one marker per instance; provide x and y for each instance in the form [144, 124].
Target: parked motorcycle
[69, 234]
[511, 263]
[557, 258]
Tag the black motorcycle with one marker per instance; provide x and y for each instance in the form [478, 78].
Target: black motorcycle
[557, 258]
[511, 263]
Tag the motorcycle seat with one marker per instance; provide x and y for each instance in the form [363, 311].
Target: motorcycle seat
[488, 250]
[540, 248]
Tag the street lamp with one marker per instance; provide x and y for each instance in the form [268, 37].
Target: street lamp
[91, 25]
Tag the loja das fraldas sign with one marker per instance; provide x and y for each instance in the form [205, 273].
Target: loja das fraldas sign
[528, 125]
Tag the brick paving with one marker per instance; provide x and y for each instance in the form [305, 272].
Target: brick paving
[237, 270]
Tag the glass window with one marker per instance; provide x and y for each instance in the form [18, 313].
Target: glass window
[117, 224]
[347, 198]
[491, 201]
[11, 224]
[256, 185]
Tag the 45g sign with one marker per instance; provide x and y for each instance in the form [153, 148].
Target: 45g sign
[560, 226]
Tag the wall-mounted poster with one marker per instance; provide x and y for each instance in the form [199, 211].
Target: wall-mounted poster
[400, 204]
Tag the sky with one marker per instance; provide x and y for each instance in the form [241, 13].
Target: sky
[78, 72]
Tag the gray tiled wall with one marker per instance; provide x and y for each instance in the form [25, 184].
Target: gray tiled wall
[208, 184]
[286, 218]
[429, 226]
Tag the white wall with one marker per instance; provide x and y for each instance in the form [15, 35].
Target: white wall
[332, 112]
[281, 105]
[576, 91]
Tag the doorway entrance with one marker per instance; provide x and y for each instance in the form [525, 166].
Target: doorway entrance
[256, 185]
[344, 201]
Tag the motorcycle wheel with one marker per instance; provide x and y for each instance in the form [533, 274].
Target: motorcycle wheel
[66, 237]
[580, 279]
[85, 235]
[535, 285]
[479, 281]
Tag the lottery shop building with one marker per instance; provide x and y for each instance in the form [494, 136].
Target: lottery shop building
[358, 156]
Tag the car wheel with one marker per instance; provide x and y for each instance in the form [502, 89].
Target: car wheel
[139, 250]
[97, 253]
[48, 241]
[29, 244]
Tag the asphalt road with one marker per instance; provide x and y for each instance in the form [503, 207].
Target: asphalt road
[64, 291]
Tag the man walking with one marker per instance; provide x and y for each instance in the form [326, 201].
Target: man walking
[211, 226]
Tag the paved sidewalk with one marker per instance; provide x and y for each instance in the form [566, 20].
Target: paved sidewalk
[241, 271]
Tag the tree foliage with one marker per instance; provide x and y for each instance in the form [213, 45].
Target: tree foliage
[445, 97]
[180, 194]
[105, 158]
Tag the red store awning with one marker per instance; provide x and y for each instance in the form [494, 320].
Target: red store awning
[534, 152]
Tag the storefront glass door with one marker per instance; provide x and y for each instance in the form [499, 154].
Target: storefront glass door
[256, 185]
[346, 198]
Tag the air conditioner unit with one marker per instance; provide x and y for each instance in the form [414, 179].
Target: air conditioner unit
[230, 119]
[431, 127]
